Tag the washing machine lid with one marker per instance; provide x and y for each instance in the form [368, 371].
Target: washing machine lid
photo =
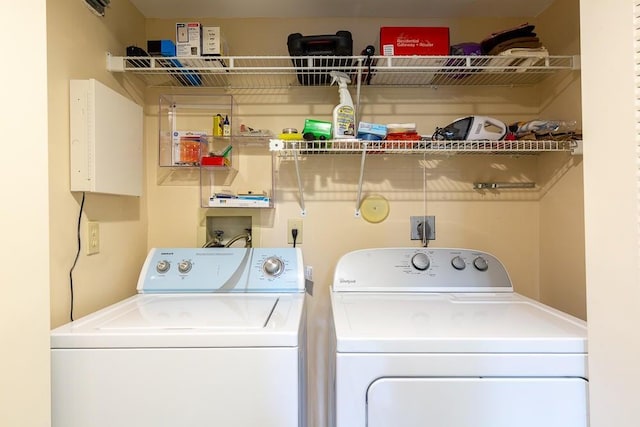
[189, 320]
[452, 323]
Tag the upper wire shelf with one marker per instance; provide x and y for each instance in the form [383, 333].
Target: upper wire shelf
[262, 72]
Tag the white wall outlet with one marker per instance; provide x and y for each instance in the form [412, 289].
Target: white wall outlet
[93, 237]
[294, 223]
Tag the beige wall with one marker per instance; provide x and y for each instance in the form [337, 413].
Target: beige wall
[447, 179]
[609, 171]
[508, 224]
[24, 225]
[562, 270]
[611, 210]
[77, 45]
[170, 213]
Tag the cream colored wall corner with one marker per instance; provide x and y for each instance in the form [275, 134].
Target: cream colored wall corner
[562, 269]
[77, 45]
[24, 225]
[611, 209]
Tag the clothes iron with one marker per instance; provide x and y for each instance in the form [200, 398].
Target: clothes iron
[472, 128]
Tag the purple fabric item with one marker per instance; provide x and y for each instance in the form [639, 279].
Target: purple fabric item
[466, 49]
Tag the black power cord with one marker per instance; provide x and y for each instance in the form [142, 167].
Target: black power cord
[423, 230]
[76, 259]
[294, 234]
[368, 62]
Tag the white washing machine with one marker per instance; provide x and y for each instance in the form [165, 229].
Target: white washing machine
[215, 337]
[437, 337]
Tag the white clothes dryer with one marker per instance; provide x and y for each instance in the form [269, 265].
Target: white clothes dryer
[437, 337]
[215, 336]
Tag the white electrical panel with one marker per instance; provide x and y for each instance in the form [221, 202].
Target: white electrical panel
[106, 140]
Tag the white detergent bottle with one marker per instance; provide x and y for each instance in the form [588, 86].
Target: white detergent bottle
[344, 114]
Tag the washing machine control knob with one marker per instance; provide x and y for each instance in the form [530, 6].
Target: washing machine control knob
[163, 266]
[273, 266]
[480, 263]
[420, 261]
[184, 266]
[458, 263]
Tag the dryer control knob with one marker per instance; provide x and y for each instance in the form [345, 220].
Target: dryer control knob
[273, 266]
[458, 263]
[480, 263]
[420, 261]
[184, 266]
[163, 266]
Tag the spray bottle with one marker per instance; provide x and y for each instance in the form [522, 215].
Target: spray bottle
[344, 115]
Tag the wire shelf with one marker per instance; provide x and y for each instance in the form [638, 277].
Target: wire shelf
[260, 72]
[519, 147]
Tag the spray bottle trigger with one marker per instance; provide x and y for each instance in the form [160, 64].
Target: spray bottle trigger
[334, 77]
[340, 77]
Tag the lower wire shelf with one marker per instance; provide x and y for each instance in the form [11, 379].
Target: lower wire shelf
[285, 148]
[295, 149]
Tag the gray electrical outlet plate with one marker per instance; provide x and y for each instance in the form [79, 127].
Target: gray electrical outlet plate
[431, 227]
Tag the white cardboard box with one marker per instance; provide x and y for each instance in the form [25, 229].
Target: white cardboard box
[188, 39]
[212, 41]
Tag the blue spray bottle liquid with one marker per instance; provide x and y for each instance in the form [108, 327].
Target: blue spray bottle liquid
[344, 114]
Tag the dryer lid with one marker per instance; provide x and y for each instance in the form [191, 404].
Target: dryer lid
[452, 323]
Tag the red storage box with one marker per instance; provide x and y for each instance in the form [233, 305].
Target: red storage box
[214, 161]
[414, 41]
